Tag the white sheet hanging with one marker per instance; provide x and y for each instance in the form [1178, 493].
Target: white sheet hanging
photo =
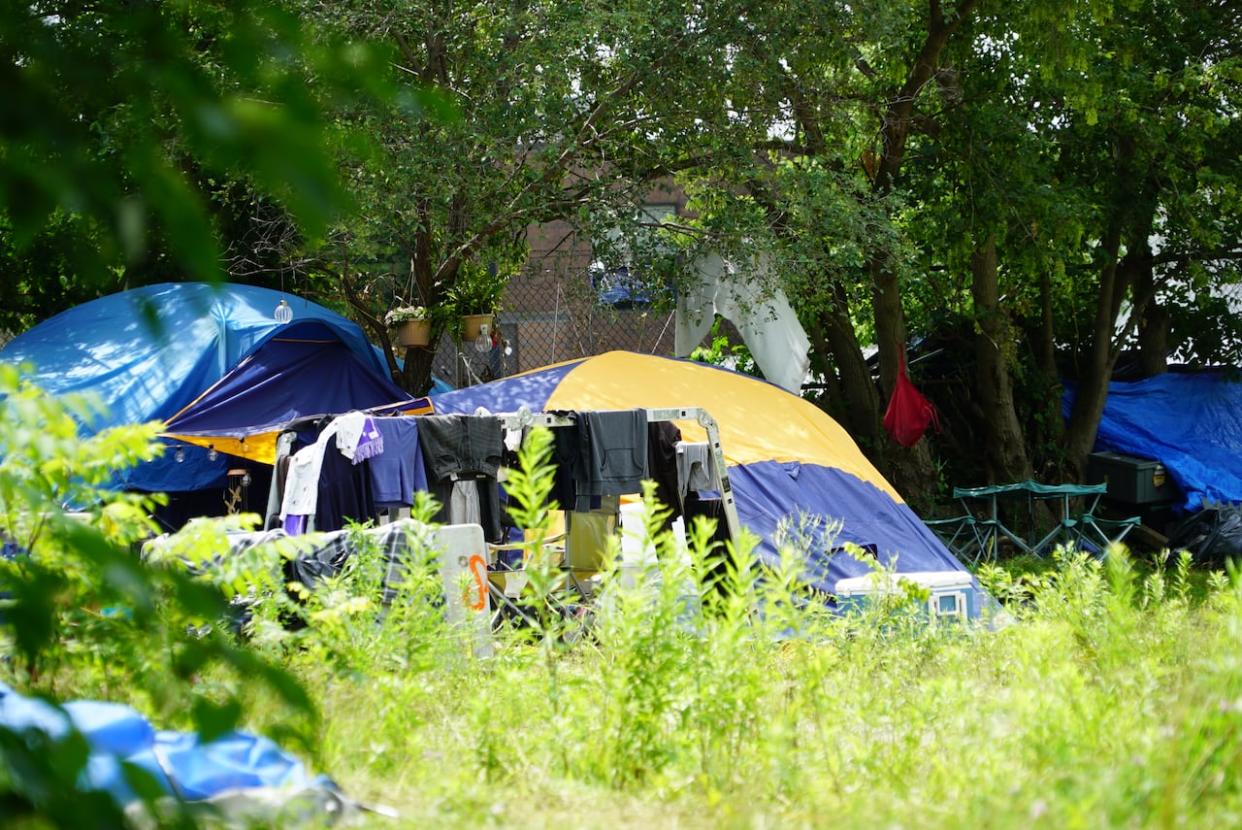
[764, 317]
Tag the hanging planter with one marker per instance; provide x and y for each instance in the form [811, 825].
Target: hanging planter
[414, 333]
[473, 325]
[475, 295]
[411, 326]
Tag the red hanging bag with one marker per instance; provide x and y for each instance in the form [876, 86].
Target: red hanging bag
[909, 414]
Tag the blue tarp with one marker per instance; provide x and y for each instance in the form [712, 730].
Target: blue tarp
[149, 352]
[617, 288]
[1189, 422]
[182, 764]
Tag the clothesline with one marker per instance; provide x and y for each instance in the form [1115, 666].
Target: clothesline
[358, 467]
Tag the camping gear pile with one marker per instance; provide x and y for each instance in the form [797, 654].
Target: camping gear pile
[230, 381]
[788, 463]
[1213, 535]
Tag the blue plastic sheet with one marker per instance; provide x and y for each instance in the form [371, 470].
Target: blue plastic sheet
[1190, 423]
[183, 765]
[148, 353]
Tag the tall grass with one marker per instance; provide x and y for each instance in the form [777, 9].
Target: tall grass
[1111, 698]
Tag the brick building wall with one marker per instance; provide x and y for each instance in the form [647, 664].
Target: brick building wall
[551, 310]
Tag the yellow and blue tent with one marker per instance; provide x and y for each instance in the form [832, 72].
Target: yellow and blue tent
[787, 458]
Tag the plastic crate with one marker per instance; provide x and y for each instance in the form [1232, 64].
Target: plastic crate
[1131, 480]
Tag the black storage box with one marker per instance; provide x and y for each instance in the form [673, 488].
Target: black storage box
[1131, 480]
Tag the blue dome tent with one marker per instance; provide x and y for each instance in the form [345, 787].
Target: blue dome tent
[210, 358]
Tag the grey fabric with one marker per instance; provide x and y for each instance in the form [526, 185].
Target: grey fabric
[280, 469]
[612, 455]
[460, 446]
[695, 467]
[467, 448]
[464, 504]
[763, 316]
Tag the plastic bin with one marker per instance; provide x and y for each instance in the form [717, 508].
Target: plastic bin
[1131, 480]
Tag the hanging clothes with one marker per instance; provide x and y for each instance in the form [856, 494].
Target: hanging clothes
[460, 445]
[662, 439]
[280, 473]
[909, 414]
[612, 454]
[564, 458]
[349, 434]
[302, 481]
[343, 493]
[602, 454]
[466, 450]
[357, 438]
[398, 472]
[696, 469]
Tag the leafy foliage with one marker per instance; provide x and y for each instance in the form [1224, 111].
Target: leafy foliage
[1101, 697]
[83, 614]
[133, 133]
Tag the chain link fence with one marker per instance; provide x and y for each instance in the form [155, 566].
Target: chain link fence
[562, 306]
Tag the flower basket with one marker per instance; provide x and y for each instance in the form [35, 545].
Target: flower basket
[414, 333]
[472, 325]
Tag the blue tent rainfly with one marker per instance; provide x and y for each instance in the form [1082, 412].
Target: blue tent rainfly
[213, 354]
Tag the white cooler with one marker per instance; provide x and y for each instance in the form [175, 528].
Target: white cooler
[953, 593]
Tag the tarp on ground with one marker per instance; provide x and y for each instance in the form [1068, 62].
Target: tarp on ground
[1189, 422]
[150, 352]
[183, 765]
[786, 456]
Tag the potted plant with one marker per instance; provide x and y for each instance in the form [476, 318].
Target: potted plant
[412, 325]
[476, 295]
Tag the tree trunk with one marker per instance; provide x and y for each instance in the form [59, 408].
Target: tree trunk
[1046, 353]
[1005, 449]
[833, 398]
[416, 374]
[890, 324]
[1134, 218]
[1093, 378]
[911, 471]
[1154, 341]
[858, 392]
[1153, 328]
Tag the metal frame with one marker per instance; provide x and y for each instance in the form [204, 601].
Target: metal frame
[525, 418]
